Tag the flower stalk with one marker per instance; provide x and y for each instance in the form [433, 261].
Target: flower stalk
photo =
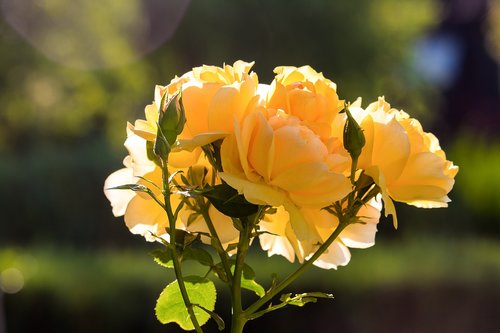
[224, 257]
[173, 247]
[238, 319]
[343, 223]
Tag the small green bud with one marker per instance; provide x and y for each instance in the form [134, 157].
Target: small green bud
[171, 122]
[197, 174]
[354, 139]
[161, 147]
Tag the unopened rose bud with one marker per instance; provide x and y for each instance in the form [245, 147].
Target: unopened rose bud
[354, 139]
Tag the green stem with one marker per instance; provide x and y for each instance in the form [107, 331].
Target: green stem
[215, 237]
[343, 222]
[237, 323]
[238, 319]
[269, 309]
[354, 165]
[173, 247]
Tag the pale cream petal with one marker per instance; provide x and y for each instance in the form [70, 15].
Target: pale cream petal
[198, 141]
[277, 245]
[119, 199]
[362, 235]
[336, 255]
[147, 129]
[280, 238]
[136, 147]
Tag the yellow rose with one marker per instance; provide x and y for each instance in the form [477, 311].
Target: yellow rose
[281, 239]
[274, 160]
[143, 215]
[307, 95]
[407, 163]
[213, 98]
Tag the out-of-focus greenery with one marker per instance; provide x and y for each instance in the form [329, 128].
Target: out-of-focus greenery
[62, 122]
[68, 88]
[479, 181]
[40, 97]
[74, 276]
[129, 282]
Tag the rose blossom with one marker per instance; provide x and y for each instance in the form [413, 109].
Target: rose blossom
[274, 160]
[404, 161]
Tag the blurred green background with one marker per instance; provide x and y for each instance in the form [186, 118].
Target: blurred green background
[73, 73]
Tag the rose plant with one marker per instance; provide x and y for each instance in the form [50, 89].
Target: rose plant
[221, 160]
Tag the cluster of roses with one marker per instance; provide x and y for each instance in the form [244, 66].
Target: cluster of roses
[282, 147]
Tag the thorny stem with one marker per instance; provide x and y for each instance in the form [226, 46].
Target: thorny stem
[173, 247]
[343, 223]
[238, 315]
[346, 217]
[215, 237]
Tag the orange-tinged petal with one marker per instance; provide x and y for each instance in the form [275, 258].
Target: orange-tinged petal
[196, 98]
[261, 147]
[145, 218]
[257, 193]
[296, 145]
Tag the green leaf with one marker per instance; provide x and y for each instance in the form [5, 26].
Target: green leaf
[163, 257]
[220, 322]
[133, 187]
[170, 306]
[229, 202]
[199, 255]
[248, 279]
[139, 188]
[238, 225]
[251, 284]
[221, 273]
[231, 247]
[303, 299]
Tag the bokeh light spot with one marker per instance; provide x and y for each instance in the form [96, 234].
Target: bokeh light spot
[95, 34]
[11, 280]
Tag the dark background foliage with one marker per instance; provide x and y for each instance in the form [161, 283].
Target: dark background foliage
[73, 73]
